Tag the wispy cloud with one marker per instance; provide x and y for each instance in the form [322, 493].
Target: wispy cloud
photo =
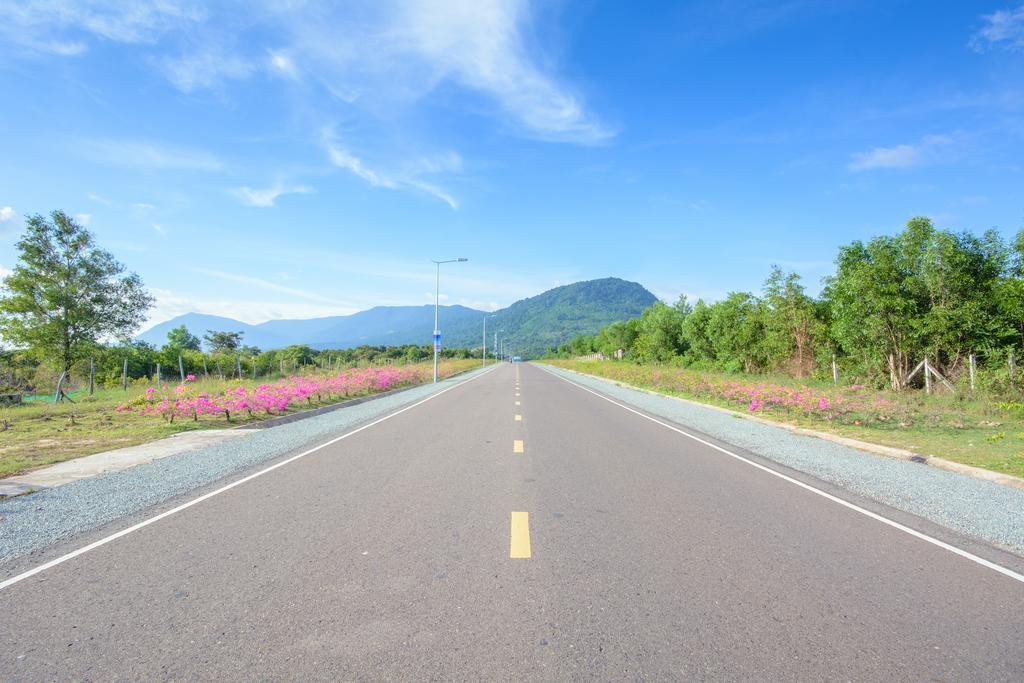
[484, 46]
[159, 229]
[282, 64]
[260, 283]
[901, 156]
[83, 218]
[205, 69]
[1004, 29]
[170, 304]
[375, 55]
[267, 196]
[410, 176]
[6, 213]
[99, 200]
[63, 27]
[140, 154]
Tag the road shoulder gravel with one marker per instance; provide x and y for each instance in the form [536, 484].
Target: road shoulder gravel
[982, 509]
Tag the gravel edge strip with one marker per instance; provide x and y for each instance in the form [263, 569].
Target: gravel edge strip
[877, 449]
[29, 523]
[979, 508]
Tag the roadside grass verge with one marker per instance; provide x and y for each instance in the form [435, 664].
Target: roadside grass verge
[40, 433]
[975, 431]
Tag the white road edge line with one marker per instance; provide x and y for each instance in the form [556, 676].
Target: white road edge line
[167, 513]
[845, 503]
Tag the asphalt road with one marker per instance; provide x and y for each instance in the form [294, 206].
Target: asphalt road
[426, 547]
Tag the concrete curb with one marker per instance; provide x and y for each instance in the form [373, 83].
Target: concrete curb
[877, 449]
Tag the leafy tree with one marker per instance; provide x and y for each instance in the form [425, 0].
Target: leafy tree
[790, 323]
[921, 291]
[181, 338]
[736, 330]
[66, 294]
[223, 342]
[695, 331]
[659, 334]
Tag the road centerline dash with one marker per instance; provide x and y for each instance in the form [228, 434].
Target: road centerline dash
[519, 536]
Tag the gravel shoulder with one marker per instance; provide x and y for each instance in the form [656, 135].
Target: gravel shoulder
[982, 509]
[29, 523]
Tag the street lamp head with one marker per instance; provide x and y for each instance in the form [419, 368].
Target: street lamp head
[462, 260]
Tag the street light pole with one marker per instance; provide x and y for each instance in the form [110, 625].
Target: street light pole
[437, 296]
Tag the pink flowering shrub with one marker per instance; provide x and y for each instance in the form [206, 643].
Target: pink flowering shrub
[853, 404]
[274, 398]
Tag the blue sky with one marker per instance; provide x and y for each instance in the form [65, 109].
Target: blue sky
[293, 159]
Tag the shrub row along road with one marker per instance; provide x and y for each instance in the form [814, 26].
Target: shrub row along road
[515, 528]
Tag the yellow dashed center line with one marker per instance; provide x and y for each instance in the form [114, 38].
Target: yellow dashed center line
[519, 547]
[519, 418]
[519, 403]
[517, 446]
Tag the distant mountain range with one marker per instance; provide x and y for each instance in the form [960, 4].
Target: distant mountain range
[531, 325]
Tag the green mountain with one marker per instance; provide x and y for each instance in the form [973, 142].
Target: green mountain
[531, 325]
[534, 325]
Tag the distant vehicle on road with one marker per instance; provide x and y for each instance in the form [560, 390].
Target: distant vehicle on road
[516, 359]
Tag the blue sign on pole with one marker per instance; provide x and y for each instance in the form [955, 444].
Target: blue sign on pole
[437, 341]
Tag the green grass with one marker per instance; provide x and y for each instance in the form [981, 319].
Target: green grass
[42, 433]
[978, 431]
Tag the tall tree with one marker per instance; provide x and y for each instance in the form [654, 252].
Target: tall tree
[223, 341]
[790, 323]
[180, 338]
[66, 294]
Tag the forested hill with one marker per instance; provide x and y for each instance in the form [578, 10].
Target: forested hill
[531, 325]
[534, 325]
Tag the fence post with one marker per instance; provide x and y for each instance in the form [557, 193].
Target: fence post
[59, 394]
[124, 375]
[92, 376]
[205, 371]
[238, 362]
[158, 374]
[835, 370]
[181, 369]
[927, 376]
[971, 364]
[1013, 367]
[220, 371]
[254, 369]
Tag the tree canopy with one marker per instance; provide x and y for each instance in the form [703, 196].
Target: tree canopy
[892, 300]
[66, 294]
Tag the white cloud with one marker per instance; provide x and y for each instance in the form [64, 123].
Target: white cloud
[205, 69]
[1004, 28]
[142, 206]
[59, 26]
[83, 218]
[99, 200]
[483, 46]
[410, 176]
[139, 154]
[6, 213]
[5, 271]
[402, 50]
[170, 304]
[377, 54]
[159, 229]
[282, 64]
[261, 283]
[901, 156]
[267, 196]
